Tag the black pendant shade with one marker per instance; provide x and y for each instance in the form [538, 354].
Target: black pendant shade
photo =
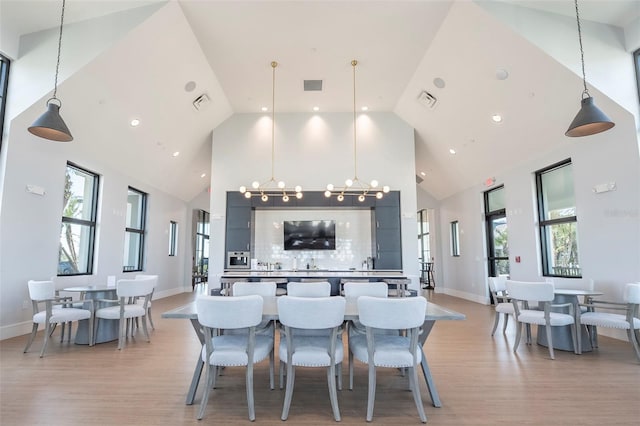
[589, 120]
[51, 126]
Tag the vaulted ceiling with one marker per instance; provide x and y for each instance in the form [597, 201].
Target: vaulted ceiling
[473, 64]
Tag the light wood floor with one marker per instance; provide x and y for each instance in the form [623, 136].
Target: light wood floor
[480, 380]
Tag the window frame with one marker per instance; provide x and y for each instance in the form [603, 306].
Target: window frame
[544, 223]
[490, 216]
[5, 66]
[455, 238]
[138, 231]
[636, 62]
[173, 238]
[92, 224]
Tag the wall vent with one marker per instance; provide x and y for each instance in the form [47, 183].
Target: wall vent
[312, 85]
[201, 102]
[427, 100]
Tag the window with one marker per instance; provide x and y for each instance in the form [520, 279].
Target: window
[558, 221]
[173, 238]
[4, 85]
[455, 239]
[636, 61]
[497, 236]
[201, 259]
[134, 231]
[78, 231]
[424, 248]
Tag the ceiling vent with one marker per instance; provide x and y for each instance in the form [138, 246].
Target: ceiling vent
[427, 100]
[419, 179]
[201, 102]
[312, 85]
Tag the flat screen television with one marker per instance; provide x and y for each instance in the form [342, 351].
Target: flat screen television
[310, 235]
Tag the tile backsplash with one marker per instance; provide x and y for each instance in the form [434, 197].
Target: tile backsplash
[353, 239]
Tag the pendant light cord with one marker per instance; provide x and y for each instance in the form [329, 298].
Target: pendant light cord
[55, 84]
[584, 78]
[274, 64]
[355, 161]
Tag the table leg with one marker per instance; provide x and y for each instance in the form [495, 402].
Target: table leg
[199, 365]
[431, 386]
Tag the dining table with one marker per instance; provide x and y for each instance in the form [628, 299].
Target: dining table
[108, 330]
[561, 335]
[433, 313]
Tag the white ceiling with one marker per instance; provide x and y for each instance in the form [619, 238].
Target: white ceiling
[226, 47]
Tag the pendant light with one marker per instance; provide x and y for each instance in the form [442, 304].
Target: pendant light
[50, 125]
[590, 119]
[272, 187]
[354, 186]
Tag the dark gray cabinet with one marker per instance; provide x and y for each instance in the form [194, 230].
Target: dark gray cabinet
[238, 227]
[386, 235]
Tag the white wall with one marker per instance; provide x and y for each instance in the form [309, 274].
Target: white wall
[608, 223]
[30, 225]
[312, 150]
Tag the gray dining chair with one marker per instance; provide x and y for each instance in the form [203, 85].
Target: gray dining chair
[126, 308]
[396, 350]
[219, 313]
[57, 310]
[628, 320]
[521, 293]
[503, 306]
[302, 350]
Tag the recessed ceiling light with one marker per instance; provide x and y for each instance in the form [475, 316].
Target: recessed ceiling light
[264, 109]
[365, 108]
[452, 151]
[423, 174]
[315, 108]
[502, 74]
[190, 86]
[439, 83]
[175, 154]
[203, 175]
[497, 118]
[135, 122]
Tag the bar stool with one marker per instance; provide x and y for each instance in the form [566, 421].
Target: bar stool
[279, 281]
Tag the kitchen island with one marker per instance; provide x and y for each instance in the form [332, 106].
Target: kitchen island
[333, 276]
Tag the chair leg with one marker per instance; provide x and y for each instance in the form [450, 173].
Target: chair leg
[333, 394]
[495, 322]
[249, 385]
[549, 340]
[144, 329]
[415, 389]
[633, 338]
[271, 369]
[577, 339]
[289, 392]
[62, 332]
[350, 370]
[281, 371]
[123, 326]
[153, 327]
[372, 390]
[505, 321]
[34, 331]
[96, 323]
[518, 336]
[91, 337]
[594, 336]
[205, 394]
[47, 334]
[339, 375]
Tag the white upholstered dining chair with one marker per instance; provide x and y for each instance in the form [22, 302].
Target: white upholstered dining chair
[628, 320]
[217, 314]
[140, 301]
[56, 311]
[503, 306]
[353, 290]
[390, 350]
[309, 289]
[523, 292]
[298, 314]
[126, 307]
